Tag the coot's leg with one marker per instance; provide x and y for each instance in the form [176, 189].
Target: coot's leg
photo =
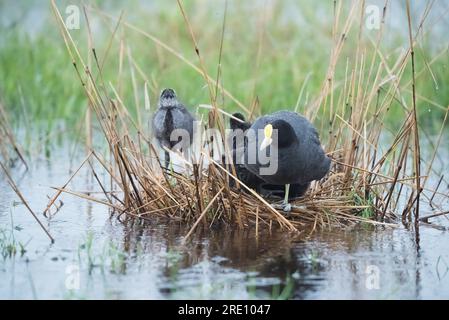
[287, 206]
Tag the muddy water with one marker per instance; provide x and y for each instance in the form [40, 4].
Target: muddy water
[96, 256]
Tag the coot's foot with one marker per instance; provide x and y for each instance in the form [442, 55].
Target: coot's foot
[287, 207]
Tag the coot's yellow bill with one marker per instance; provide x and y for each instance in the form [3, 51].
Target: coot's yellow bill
[268, 132]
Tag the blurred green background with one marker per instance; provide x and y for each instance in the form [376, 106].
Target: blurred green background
[273, 50]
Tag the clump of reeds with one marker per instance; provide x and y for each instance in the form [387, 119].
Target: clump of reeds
[366, 182]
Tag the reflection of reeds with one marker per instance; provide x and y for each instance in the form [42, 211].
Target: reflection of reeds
[365, 182]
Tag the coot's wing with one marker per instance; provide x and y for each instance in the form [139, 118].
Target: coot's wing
[311, 153]
[317, 161]
[182, 119]
[189, 119]
[158, 123]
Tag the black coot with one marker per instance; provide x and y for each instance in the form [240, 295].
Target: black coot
[250, 179]
[300, 157]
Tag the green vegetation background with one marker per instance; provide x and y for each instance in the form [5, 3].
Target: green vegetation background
[268, 52]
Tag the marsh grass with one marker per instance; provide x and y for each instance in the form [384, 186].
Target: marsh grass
[283, 293]
[9, 245]
[369, 181]
[104, 256]
[265, 56]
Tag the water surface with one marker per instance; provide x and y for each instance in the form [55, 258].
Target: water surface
[111, 259]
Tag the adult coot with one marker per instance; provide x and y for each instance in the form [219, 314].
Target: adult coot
[292, 145]
[172, 115]
[253, 181]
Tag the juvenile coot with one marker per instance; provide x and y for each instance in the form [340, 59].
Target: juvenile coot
[172, 115]
[300, 157]
[250, 179]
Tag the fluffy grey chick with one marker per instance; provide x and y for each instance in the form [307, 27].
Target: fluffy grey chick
[172, 115]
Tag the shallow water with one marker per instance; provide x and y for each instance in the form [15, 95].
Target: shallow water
[97, 256]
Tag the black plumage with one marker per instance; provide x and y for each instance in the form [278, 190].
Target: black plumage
[252, 180]
[237, 148]
[300, 159]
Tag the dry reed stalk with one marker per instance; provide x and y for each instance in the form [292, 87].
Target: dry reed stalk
[25, 203]
[8, 144]
[56, 196]
[417, 148]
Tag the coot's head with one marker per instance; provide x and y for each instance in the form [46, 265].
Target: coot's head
[238, 122]
[286, 135]
[168, 98]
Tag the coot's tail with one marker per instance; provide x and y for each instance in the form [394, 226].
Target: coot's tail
[325, 167]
